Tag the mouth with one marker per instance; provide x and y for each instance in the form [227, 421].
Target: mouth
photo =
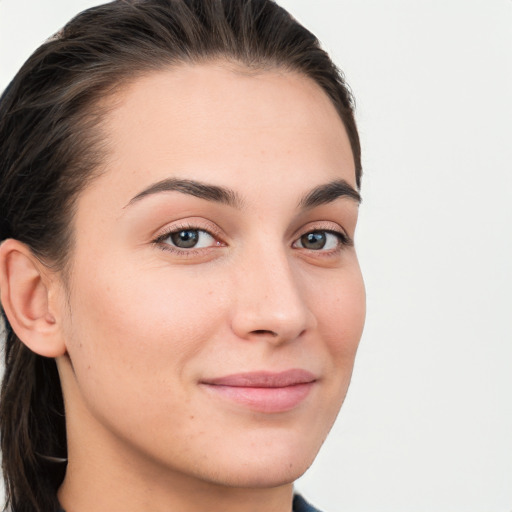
[265, 392]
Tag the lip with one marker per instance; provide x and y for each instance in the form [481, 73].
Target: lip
[263, 391]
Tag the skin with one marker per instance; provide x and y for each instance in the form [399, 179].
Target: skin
[142, 326]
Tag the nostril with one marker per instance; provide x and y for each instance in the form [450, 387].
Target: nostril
[264, 331]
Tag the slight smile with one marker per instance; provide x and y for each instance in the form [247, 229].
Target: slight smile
[264, 392]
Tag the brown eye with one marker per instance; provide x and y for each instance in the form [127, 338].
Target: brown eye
[314, 241]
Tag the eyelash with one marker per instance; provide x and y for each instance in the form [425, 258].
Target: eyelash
[160, 240]
[344, 240]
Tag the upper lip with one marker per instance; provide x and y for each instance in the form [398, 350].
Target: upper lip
[264, 379]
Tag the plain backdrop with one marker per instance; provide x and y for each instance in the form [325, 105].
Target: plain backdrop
[427, 425]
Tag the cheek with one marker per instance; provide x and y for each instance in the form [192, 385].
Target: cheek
[140, 327]
[340, 312]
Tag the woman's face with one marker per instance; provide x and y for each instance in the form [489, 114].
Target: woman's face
[215, 300]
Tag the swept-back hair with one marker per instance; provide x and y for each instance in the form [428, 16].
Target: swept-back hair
[51, 147]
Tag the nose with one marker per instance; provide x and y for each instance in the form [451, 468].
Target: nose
[270, 300]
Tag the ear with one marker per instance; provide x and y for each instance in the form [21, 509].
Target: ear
[26, 287]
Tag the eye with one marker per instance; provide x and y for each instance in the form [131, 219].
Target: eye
[188, 239]
[321, 240]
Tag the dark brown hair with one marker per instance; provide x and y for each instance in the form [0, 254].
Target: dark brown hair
[51, 147]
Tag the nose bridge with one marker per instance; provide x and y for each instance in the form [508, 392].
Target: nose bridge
[270, 301]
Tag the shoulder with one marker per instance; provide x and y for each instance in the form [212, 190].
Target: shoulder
[301, 505]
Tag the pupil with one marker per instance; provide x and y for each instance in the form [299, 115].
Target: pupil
[185, 239]
[313, 240]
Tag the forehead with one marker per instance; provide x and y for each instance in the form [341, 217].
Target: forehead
[221, 123]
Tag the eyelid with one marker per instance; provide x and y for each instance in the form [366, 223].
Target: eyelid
[192, 224]
[327, 226]
[342, 242]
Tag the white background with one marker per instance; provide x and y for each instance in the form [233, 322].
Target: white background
[427, 425]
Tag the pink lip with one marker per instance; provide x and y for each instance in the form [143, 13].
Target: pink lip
[264, 391]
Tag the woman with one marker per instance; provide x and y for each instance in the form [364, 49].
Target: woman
[183, 302]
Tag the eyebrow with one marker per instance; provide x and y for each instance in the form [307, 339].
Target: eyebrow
[323, 194]
[194, 188]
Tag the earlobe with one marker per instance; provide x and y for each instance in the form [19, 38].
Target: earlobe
[25, 295]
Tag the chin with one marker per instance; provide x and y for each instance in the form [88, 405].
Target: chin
[269, 452]
[267, 465]
[265, 475]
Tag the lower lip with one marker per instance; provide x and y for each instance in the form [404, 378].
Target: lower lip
[267, 400]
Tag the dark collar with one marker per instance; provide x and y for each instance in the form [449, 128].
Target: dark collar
[301, 505]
